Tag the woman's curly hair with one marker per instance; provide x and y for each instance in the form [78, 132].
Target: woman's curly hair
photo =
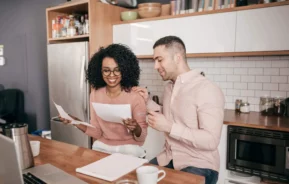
[127, 63]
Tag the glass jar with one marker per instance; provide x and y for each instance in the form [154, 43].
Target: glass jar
[245, 107]
[238, 105]
[266, 106]
[279, 106]
[71, 31]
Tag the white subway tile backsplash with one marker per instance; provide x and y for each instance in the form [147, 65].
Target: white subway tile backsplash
[259, 93]
[226, 85]
[283, 87]
[248, 93]
[263, 78]
[278, 79]
[240, 71]
[233, 78]
[227, 71]
[271, 71]
[246, 78]
[213, 71]
[256, 58]
[284, 71]
[240, 85]
[263, 64]
[258, 86]
[272, 58]
[248, 64]
[253, 100]
[255, 71]
[280, 64]
[270, 86]
[278, 94]
[221, 78]
[233, 92]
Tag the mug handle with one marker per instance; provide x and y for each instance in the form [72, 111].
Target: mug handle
[162, 177]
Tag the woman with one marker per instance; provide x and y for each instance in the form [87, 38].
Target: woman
[112, 72]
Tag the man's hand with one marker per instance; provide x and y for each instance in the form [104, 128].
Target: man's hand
[143, 92]
[159, 122]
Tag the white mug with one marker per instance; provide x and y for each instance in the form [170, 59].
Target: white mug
[149, 175]
[35, 147]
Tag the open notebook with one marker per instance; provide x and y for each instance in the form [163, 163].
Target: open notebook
[112, 167]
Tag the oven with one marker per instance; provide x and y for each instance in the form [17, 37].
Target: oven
[263, 153]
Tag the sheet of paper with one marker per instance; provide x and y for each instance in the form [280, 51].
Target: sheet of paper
[63, 114]
[75, 122]
[112, 112]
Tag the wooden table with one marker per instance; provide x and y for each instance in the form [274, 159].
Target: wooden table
[69, 157]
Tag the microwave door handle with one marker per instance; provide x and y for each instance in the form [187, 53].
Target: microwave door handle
[235, 149]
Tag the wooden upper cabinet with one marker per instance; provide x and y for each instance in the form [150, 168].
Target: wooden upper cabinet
[100, 15]
[265, 29]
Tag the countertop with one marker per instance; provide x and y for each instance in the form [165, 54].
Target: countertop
[256, 120]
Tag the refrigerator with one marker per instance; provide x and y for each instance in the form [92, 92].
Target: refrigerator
[67, 64]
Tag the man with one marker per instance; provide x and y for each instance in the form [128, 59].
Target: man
[192, 114]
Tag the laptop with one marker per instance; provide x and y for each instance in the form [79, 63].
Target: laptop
[11, 173]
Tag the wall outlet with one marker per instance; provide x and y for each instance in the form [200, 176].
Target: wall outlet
[2, 61]
[1, 50]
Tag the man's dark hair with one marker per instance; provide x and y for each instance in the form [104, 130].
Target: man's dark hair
[127, 63]
[172, 42]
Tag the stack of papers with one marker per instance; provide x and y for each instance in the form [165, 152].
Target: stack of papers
[112, 167]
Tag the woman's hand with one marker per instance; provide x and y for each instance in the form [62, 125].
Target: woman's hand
[143, 92]
[133, 126]
[66, 121]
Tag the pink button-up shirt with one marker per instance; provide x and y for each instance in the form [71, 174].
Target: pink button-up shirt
[195, 107]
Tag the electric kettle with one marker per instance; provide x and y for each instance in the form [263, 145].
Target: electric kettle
[19, 133]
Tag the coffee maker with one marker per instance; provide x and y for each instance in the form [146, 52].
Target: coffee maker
[18, 132]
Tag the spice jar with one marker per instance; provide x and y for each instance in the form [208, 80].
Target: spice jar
[245, 107]
[238, 105]
[266, 106]
[279, 106]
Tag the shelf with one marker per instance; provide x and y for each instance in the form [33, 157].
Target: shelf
[206, 12]
[71, 7]
[227, 54]
[69, 39]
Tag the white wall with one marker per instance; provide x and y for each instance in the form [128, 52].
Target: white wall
[245, 78]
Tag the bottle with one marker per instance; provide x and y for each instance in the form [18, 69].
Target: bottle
[63, 29]
[53, 28]
[238, 105]
[86, 24]
[71, 28]
[81, 26]
[58, 27]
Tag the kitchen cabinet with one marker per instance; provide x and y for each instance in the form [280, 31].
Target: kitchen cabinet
[100, 16]
[263, 29]
[223, 155]
[202, 34]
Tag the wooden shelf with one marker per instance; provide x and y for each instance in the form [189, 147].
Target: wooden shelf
[74, 38]
[207, 12]
[227, 54]
[71, 7]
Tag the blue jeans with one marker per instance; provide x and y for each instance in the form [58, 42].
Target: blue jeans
[210, 175]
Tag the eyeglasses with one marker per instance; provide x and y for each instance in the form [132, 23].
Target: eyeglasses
[107, 72]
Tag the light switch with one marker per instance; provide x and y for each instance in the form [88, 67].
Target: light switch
[1, 50]
[2, 61]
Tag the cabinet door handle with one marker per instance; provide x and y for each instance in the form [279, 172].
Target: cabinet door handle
[234, 182]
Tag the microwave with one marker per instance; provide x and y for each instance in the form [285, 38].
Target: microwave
[262, 153]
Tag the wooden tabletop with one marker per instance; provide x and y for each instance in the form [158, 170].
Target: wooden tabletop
[256, 120]
[69, 157]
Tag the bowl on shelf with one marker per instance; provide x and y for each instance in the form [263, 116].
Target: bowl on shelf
[148, 12]
[149, 5]
[128, 15]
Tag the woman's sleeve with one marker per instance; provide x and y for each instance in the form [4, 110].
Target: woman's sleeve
[139, 114]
